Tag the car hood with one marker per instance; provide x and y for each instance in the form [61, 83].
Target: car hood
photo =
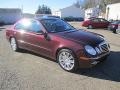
[82, 36]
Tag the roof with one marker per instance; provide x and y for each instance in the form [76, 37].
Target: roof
[10, 10]
[47, 17]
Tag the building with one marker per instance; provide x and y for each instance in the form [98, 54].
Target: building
[71, 11]
[113, 11]
[10, 15]
[28, 15]
[92, 12]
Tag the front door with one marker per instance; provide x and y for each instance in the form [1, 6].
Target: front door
[36, 39]
[104, 23]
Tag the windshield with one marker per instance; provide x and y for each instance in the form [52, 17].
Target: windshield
[56, 25]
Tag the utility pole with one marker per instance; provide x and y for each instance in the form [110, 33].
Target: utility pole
[22, 9]
[22, 6]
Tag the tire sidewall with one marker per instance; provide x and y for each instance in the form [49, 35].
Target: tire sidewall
[90, 27]
[117, 31]
[75, 60]
[16, 44]
[114, 31]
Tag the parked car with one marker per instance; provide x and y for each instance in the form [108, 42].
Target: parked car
[113, 26]
[58, 40]
[71, 19]
[95, 23]
[118, 29]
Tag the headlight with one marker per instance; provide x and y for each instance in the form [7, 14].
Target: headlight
[90, 50]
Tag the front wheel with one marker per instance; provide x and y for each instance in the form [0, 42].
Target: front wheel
[117, 31]
[104, 58]
[67, 60]
[114, 31]
[14, 44]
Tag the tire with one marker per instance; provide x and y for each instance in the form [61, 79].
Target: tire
[114, 31]
[14, 44]
[90, 27]
[67, 60]
[104, 58]
[117, 31]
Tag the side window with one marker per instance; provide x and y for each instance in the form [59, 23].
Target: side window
[28, 25]
[18, 26]
[48, 25]
[95, 20]
[34, 27]
[103, 20]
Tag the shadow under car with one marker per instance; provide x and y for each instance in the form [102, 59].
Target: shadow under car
[107, 70]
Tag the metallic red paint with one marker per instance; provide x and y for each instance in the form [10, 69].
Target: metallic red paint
[74, 40]
[95, 24]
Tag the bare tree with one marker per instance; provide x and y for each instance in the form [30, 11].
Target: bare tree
[102, 3]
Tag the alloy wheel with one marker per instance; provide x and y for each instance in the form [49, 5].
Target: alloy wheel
[90, 27]
[66, 60]
[13, 44]
[117, 31]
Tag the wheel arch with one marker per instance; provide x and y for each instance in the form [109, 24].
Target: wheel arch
[11, 37]
[57, 51]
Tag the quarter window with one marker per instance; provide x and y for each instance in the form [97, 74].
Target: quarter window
[103, 20]
[95, 20]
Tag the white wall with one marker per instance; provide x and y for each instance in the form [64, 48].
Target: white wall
[72, 11]
[114, 11]
[88, 13]
[9, 17]
[92, 12]
[56, 13]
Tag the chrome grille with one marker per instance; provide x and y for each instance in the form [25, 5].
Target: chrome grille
[104, 47]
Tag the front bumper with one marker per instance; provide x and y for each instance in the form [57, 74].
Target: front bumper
[85, 62]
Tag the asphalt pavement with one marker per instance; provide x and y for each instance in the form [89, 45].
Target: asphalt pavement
[27, 71]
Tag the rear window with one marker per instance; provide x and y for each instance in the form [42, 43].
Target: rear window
[116, 22]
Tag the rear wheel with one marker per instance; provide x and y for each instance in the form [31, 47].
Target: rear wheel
[67, 60]
[14, 44]
[90, 27]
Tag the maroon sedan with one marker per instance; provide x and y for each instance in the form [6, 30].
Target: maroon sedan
[56, 39]
[95, 23]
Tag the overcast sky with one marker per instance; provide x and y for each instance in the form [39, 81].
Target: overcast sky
[30, 6]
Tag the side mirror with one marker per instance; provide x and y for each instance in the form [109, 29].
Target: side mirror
[47, 37]
[40, 32]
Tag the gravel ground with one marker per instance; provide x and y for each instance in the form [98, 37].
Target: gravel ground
[27, 71]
